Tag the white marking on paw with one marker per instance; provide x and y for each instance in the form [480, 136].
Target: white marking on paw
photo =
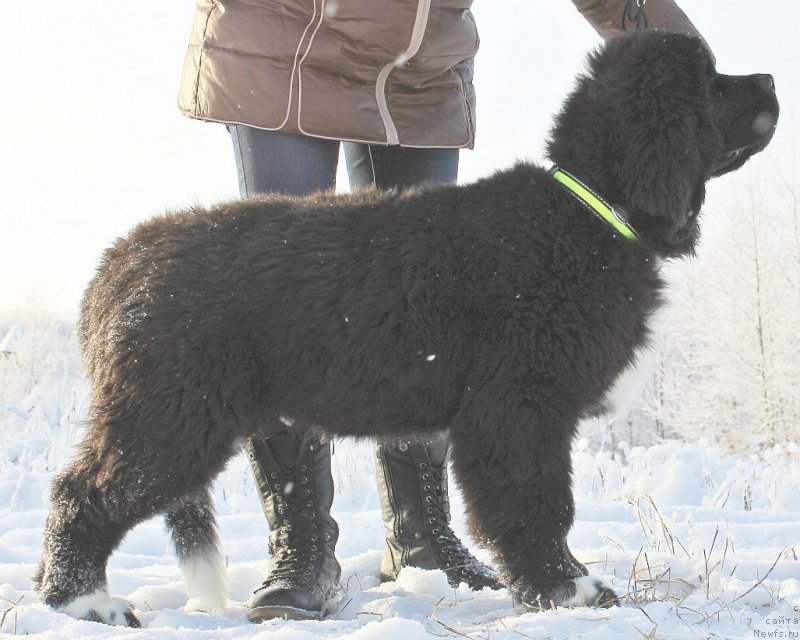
[102, 605]
[206, 582]
[587, 590]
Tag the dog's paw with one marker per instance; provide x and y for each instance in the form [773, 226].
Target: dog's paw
[99, 606]
[591, 592]
[585, 591]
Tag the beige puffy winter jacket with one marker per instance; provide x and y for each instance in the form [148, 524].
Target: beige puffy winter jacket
[379, 71]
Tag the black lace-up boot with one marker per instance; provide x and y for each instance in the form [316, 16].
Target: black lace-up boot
[294, 478]
[412, 479]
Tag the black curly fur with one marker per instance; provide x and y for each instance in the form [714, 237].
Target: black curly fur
[500, 310]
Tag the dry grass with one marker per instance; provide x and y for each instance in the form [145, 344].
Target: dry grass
[11, 613]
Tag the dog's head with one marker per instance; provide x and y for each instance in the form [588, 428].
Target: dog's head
[652, 121]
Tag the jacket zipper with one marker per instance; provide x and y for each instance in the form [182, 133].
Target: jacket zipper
[298, 63]
[417, 35]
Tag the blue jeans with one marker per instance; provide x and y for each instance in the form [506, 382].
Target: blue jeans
[270, 162]
[276, 162]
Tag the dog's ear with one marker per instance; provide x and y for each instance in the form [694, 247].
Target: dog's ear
[663, 141]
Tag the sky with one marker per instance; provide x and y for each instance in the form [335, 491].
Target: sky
[93, 143]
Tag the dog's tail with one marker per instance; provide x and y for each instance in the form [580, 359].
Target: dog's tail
[193, 527]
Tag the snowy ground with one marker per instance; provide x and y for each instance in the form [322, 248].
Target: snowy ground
[701, 543]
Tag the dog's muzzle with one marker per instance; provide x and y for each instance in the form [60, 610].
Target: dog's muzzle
[746, 136]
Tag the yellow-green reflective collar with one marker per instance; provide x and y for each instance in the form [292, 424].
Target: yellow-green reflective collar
[593, 202]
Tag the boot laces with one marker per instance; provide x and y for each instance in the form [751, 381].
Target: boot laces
[453, 556]
[295, 545]
[452, 551]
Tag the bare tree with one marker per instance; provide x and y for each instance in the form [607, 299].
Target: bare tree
[728, 363]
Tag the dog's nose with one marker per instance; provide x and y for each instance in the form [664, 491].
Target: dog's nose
[765, 80]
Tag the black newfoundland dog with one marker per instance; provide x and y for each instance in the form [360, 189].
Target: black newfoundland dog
[501, 310]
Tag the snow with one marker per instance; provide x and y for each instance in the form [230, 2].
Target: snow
[699, 542]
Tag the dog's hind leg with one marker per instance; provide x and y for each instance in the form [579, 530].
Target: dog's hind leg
[193, 528]
[88, 518]
[115, 482]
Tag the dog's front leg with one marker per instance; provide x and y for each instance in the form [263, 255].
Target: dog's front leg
[515, 473]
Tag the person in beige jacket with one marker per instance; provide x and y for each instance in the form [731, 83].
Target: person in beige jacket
[392, 79]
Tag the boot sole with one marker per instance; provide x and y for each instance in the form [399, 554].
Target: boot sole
[260, 614]
[283, 612]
